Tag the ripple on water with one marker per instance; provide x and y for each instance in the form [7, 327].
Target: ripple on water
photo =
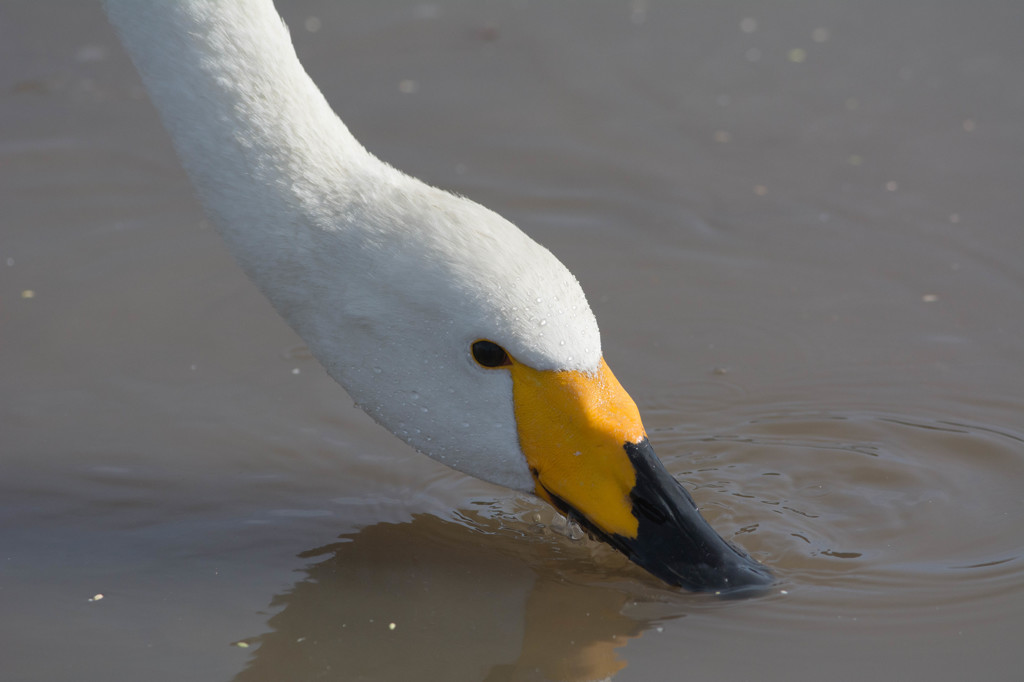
[863, 509]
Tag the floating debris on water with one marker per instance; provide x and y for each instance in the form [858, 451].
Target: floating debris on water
[90, 54]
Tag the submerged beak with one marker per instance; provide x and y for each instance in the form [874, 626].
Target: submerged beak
[590, 458]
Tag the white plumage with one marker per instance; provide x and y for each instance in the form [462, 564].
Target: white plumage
[386, 279]
[392, 284]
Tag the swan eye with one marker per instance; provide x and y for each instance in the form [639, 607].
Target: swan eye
[489, 354]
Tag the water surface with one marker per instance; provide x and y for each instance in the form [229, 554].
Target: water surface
[799, 225]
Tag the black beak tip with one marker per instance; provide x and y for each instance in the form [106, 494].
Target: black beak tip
[746, 579]
[676, 544]
[731, 574]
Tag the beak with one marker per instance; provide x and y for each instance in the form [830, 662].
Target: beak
[590, 458]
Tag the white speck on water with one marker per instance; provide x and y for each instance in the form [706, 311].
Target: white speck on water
[891, 186]
[296, 370]
[427, 10]
[313, 24]
[820, 34]
[90, 54]
[954, 217]
[638, 12]
[748, 24]
[408, 86]
[753, 54]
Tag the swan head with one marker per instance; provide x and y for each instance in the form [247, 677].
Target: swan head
[444, 322]
[475, 345]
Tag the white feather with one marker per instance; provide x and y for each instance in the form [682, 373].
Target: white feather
[386, 279]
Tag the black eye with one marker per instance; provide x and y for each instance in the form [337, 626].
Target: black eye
[490, 354]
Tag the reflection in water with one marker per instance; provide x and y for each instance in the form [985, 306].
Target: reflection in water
[869, 515]
[445, 600]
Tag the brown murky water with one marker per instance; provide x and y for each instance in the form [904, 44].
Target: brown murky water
[800, 224]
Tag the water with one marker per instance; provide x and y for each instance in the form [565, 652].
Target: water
[799, 225]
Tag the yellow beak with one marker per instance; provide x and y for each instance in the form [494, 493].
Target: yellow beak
[590, 458]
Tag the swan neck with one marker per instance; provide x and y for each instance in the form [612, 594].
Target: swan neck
[251, 128]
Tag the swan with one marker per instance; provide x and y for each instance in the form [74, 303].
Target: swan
[444, 322]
